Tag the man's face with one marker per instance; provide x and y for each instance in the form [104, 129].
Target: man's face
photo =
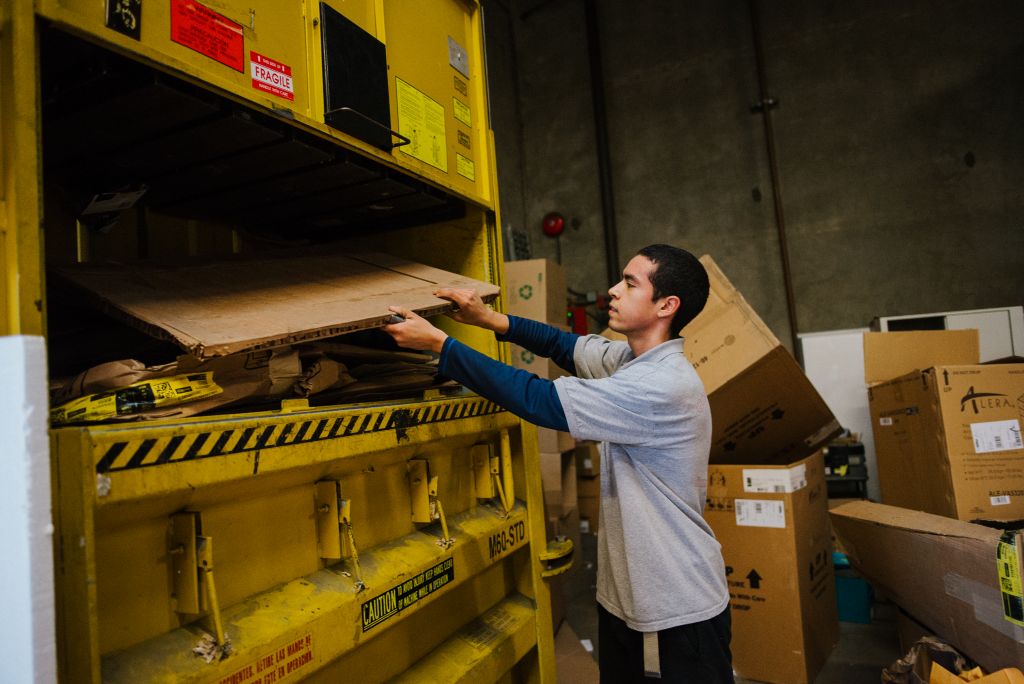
[633, 307]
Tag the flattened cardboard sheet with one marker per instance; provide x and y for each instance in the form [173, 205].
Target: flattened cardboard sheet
[253, 303]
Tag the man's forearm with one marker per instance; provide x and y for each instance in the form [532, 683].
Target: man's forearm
[496, 322]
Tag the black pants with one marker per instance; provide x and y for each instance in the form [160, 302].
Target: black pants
[696, 653]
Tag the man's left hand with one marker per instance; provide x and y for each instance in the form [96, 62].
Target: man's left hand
[415, 332]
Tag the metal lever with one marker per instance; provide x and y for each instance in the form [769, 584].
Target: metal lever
[378, 124]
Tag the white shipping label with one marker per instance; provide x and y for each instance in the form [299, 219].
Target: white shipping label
[998, 435]
[885, 421]
[774, 480]
[759, 513]
[1003, 500]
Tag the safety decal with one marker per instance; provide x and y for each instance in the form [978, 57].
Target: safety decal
[421, 119]
[277, 666]
[465, 167]
[396, 599]
[201, 29]
[271, 76]
[174, 448]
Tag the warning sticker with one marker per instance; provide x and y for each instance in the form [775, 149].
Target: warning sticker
[275, 667]
[421, 120]
[760, 513]
[395, 600]
[271, 76]
[461, 111]
[208, 33]
[997, 435]
[465, 167]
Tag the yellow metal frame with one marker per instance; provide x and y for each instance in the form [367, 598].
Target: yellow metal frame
[117, 488]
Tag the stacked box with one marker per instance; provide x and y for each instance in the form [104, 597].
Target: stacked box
[772, 522]
[766, 489]
[764, 407]
[535, 289]
[947, 430]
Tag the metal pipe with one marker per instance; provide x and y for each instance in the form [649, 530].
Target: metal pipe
[764, 107]
[604, 164]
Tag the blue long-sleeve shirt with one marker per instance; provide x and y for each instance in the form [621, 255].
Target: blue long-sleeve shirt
[520, 391]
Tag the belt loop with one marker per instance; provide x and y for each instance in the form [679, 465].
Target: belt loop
[652, 660]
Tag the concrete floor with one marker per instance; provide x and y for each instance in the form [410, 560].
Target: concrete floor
[862, 652]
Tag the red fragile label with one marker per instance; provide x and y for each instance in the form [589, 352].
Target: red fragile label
[208, 33]
[271, 76]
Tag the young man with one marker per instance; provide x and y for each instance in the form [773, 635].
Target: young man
[663, 601]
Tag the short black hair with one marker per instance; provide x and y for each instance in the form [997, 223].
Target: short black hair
[677, 272]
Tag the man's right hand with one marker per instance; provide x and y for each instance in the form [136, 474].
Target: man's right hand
[472, 310]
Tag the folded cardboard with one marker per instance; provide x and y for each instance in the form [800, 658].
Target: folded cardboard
[554, 441]
[764, 409]
[270, 300]
[772, 523]
[939, 570]
[242, 377]
[536, 289]
[948, 440]
[889, 355]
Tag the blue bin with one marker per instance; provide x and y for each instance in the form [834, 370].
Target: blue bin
[854, 595]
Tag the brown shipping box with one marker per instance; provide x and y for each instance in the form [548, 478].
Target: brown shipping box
[948, 441]
[772, 522]
[939, 570]
[536, 289]
[558, 476]
[764, 408]
[889, 355]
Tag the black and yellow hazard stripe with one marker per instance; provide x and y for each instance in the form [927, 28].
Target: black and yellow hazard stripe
[281, 432]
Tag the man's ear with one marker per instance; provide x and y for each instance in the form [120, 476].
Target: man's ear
[669, 306]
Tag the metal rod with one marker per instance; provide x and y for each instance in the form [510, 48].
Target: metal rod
[604, 164]
[765, 105]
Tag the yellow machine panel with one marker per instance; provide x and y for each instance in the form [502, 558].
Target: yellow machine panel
[273, 54]
[394, 538]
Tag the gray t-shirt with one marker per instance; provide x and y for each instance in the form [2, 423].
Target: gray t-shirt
[658, 563]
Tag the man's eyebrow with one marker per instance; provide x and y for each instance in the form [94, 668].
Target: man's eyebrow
[629, 277]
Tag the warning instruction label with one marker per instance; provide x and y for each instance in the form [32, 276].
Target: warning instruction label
[398, 598]
[275, 667]
[208, 33]
[271, 76]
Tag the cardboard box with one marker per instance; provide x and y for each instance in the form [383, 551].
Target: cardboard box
[772, 522]
[536, 289]
[948, 441]
[558, 475]
[572, 662]
[588, 459]
[554, 441]
[764, 408]
[941, 571]
[889, 355]
[538, 365]
[267, 300]
[588, 487]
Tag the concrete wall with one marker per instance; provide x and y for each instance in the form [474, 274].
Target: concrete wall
[900, 139]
